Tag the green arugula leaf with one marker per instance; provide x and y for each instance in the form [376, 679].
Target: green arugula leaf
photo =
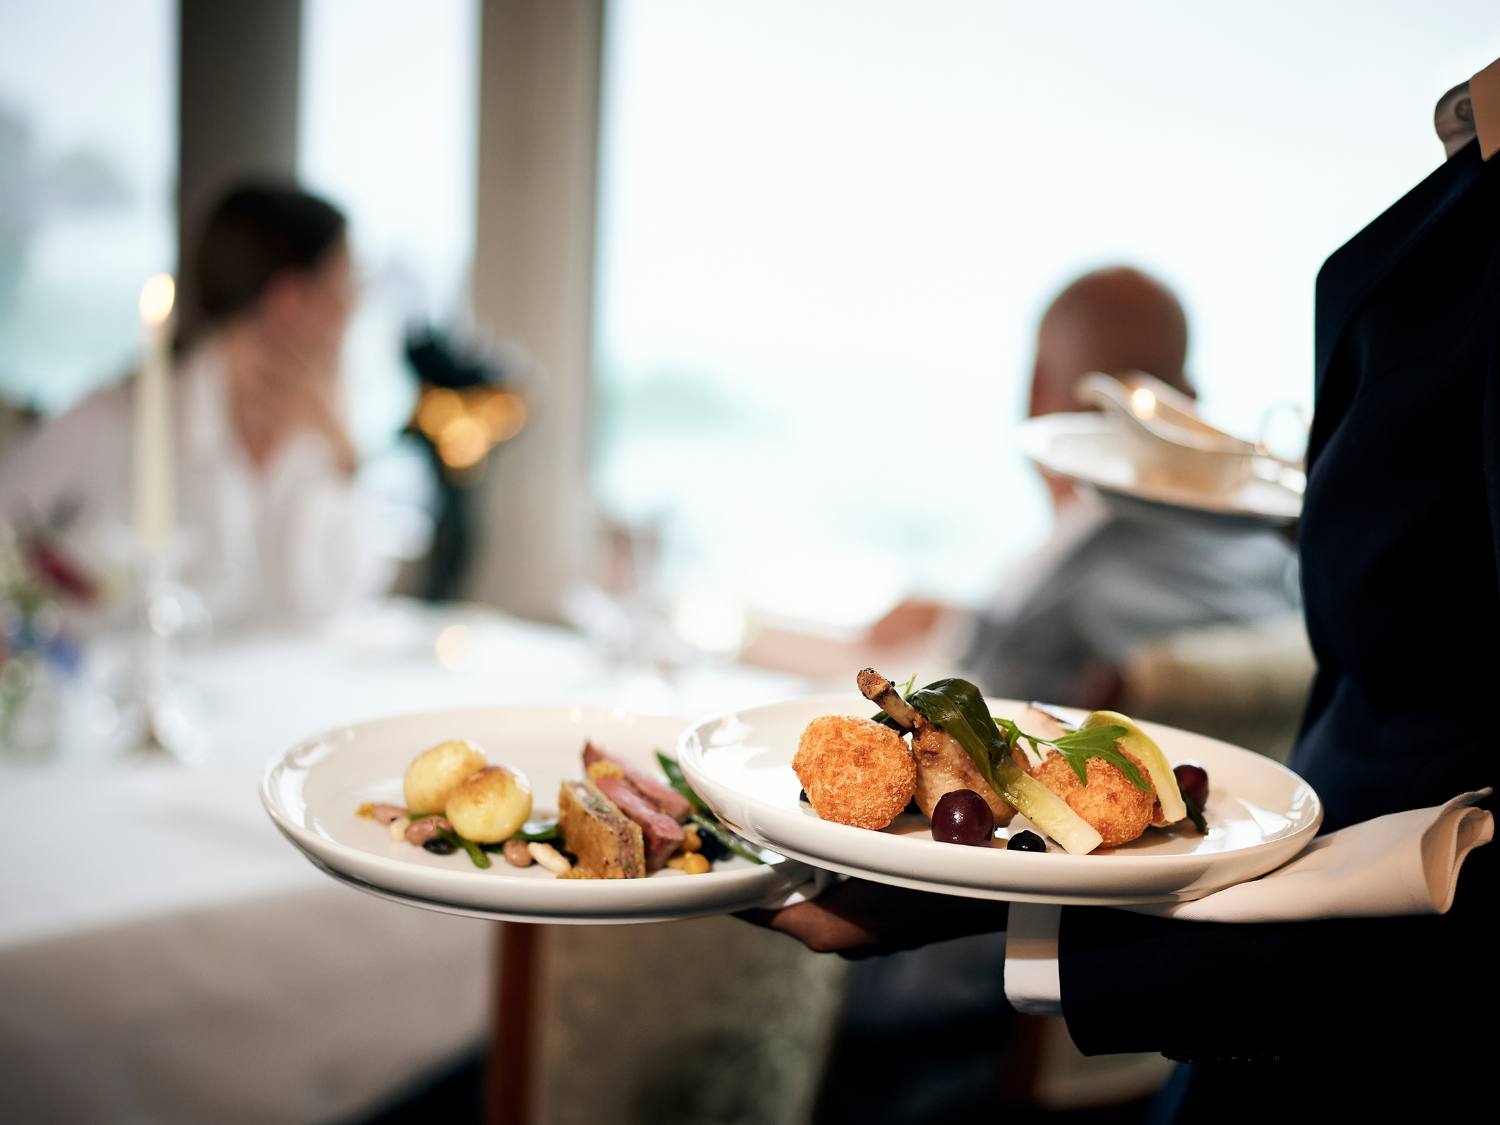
[1078, 746]
[958, 707]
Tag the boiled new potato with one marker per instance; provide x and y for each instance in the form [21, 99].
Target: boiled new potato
[435, 771]
[490, 806]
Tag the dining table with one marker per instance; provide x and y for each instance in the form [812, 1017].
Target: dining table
[166, 956]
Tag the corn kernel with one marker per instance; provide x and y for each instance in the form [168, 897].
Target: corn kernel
[676, 862]
[691, 841]
[695, 864]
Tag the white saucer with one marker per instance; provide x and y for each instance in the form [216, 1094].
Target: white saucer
[1091, 449]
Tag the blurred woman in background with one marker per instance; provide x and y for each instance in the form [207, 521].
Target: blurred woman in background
[264, 465]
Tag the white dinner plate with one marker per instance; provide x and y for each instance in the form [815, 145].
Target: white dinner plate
[1090, 448]
[1260, 814]
[313, 790]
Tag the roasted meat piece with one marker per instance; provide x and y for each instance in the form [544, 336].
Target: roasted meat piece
[606, 842]
[661, 834]
[942, 764]
[659, 793]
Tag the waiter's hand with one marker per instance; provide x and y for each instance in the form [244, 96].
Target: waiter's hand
[858, 919]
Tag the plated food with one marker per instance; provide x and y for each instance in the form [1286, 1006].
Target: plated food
[1101, 784]
[614, 822]
[311, 788]
[1259, 813]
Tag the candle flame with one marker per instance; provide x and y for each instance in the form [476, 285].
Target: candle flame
[157, 296]
[1143, 401]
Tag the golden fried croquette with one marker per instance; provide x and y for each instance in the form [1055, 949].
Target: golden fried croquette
[855, 771]
[1117, 809]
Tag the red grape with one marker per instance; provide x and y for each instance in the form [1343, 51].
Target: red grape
[963, 817]
[1192, 780]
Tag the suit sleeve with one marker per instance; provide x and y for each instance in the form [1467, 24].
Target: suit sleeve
[1201, 991]
[1198, 991]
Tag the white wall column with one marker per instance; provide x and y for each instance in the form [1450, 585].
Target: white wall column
[533, 283]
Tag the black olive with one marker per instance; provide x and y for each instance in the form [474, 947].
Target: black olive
[438, 846]
[710, 847]
[1026, 842]
[802, 796]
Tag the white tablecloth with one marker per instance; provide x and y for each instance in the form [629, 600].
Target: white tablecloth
[165, 956]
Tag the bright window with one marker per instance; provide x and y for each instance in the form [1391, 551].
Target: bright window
[388, 131]
[827, 231]
[86, 188]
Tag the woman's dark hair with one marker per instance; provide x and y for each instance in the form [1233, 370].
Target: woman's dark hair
[256, 231]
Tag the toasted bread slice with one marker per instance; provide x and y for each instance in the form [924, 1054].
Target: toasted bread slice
[606, 842]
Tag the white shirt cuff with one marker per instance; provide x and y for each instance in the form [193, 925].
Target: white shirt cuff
[1033, 983]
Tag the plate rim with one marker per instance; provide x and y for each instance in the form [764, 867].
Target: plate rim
[486, 914]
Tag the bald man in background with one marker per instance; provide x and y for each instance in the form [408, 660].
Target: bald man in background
[1063, 623]
[1060, 629]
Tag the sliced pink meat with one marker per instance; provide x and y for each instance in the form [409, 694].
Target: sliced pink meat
[662, 835]
[661, 795]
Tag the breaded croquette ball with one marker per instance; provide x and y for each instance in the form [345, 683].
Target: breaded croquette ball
[855, 771]
[489, 806]
[1117, 809]
[435, 772]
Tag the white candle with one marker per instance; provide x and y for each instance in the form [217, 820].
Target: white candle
[153, 481]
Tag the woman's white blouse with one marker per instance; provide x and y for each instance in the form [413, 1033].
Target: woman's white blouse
[276, 545]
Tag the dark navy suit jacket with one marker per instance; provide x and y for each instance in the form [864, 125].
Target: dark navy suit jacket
[1400, 544]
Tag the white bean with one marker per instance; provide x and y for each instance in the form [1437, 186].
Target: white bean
[549, 857]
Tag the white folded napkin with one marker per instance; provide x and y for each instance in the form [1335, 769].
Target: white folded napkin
[1403, 863]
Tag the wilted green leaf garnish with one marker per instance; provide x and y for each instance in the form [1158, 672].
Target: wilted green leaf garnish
[702, 816]
[1079, 746]
[476, 853]
[958, 707]
[678, 781]
[1195, 814]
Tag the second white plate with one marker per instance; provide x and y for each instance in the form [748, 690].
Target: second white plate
[313, 790]
[1260, 814]
[1089, 448]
